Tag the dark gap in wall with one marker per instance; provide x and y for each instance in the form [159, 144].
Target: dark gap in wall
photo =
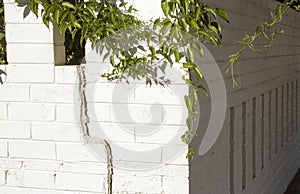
[231, 150]
[3, 56]
[262, 130]
[244, 130]
[253, 138]
[75, 52]
[282, 114]
[292, 108]
[270, 124]
[276, 120]
[287, 111]
[297, 105]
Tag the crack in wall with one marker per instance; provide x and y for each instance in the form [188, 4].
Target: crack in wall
[84, 121]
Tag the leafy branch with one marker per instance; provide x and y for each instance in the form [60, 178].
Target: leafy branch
[265, 29]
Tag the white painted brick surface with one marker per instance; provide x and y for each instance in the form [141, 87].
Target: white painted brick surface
[28, 33]
[55, 131]
[67, 113]
[30, 53]
[30, 73]
[2, 177]
[3, 111]
[12, 130]
[26, 178]
[53, 93]
[31, 112]
[6, 163]
[41, 165]
[74, 152]
[137, 183]
[40, 146]
[13, 93]
[35, 150]
[80, 182]
[66, 74]
[90, 168]
[3, 149]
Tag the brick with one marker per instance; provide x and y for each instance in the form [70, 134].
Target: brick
[138, 153]
[66, 74]
[109, 92]
[14, 93]
[14, 14]
[68, 113]
[26, 178]
[115, 132]
[74, 152]
[28, 33]
[175, 115]
[84, 182]
[173, 94]
[55, 131]
[21, 73]
[163, 134]
[14, 130]
[31, 112]
[90, 168]
[137, 184]
[133, 113]
[174, 154]
[10, 164]
[54, 93]
[99, 111]
[175, 185]
[35, 150]
[3, 111]
[2, 177]
[41, 165]
[3, 149]
[30, 53]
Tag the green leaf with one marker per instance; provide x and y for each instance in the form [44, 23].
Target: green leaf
[68, 5]
[176, 55]
[153, 52]
[194, 24]
[165, 7]
[190, 55]
[90, 10]
[83, 33]
[221, 12]
[189, 103]
[56, 15]
[63, 15]
[166, 27]
[72, 18]
[188, 65]
[198, 49]
[198, 71]
[35, 8]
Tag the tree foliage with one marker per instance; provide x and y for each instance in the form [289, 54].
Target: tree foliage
[96, 20]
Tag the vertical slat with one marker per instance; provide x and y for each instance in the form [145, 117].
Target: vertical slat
[244, 118]
[231, 154]
[254, 137]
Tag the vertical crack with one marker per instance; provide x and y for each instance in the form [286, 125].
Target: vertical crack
[84, 121]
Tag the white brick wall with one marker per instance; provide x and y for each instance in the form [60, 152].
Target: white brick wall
[223, 168]
[40, 146]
